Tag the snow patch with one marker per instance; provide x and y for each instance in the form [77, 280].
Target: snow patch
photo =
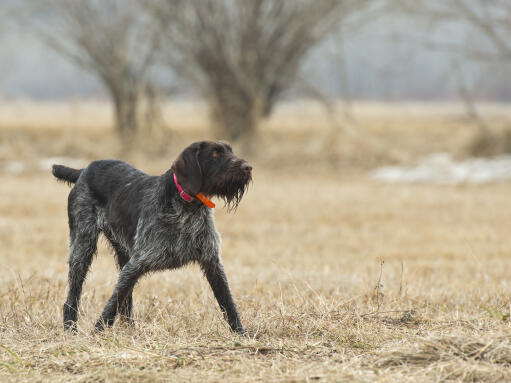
[13, 167]
[46, 163]
[18, 167]
[440, 168]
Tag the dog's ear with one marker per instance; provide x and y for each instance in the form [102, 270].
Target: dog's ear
[188, 170]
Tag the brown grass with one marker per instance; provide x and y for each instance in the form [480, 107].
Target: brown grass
[303, 254]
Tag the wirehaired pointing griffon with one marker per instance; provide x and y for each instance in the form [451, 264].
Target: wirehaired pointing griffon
[152, 222]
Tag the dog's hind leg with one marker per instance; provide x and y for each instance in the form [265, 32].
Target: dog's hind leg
[215, 274]
[126, 309]
[84, 234]
[121, 256]
[127, 279]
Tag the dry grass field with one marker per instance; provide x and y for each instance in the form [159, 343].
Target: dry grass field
[337, 277]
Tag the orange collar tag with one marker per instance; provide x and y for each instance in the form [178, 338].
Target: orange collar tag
[205, 200]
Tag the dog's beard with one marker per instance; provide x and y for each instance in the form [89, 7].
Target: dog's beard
[233, 190]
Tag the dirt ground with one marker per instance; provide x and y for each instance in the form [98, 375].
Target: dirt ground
[337, 277]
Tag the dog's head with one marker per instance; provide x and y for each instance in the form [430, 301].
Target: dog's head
[211, 168]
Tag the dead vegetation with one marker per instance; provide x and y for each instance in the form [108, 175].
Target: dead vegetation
[455, 358]
[304, 256]
[490, 144]
[496, 349]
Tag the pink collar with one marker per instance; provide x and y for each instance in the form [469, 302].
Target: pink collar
[205, 200]
[182, 193]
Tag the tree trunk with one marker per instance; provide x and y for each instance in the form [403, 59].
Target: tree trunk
[237, 119]
[125, 116]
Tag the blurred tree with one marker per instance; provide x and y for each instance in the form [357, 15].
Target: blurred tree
[112, 39]
[476, 31]
[242, 55]
[486, 25]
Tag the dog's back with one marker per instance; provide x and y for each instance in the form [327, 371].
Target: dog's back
[115, 180]
[106, 179]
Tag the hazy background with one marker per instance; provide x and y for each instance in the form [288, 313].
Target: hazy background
[338, 68]
[386, 60]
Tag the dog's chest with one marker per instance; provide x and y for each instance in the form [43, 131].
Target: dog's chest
[196, 235]
[180, 237]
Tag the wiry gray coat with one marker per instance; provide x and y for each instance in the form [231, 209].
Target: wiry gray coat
[149, 224]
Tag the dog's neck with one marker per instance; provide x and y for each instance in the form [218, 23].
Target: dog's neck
[205, 200]
[182, 193]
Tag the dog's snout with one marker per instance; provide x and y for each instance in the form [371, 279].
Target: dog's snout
[246, 167]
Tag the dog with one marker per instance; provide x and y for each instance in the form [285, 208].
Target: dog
[152, 222]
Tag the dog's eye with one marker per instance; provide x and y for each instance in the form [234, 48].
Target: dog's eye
[218, 151]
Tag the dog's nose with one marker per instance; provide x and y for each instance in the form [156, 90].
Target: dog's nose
[246, 167]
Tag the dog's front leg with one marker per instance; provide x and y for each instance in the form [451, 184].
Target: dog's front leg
[128, 277]
[215, 274]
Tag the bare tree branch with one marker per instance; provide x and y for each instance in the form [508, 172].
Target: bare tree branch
[488, 20]
[242, 55]
[111, 39]
[486, 25]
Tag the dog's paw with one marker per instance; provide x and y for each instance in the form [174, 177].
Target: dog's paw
[128, 321]
[99, 326]
[241, 331]
[70, 325]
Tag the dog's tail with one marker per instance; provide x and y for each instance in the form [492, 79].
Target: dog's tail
[66, 174]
